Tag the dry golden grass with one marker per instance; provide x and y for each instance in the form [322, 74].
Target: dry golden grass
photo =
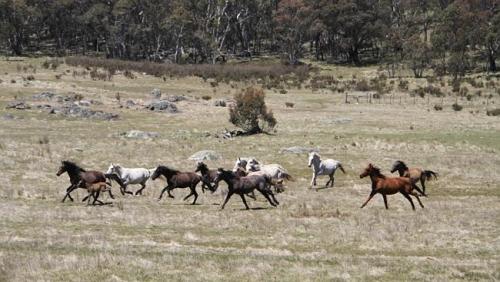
[313, 235]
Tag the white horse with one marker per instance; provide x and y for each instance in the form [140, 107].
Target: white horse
[326, 167]
[131, 176]
[245, 163]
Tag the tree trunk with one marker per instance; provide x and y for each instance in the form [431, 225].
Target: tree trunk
[491, 60]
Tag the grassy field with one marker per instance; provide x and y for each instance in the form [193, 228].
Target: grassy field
[314, 235]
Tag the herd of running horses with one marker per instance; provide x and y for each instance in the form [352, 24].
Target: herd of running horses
[247, 176]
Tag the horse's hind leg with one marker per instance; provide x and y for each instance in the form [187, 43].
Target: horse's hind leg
[332, 179]
[418, 198]
[274, 199]
[419, 190]
[263, 192]
[139, 192]
[195, 194]
[244, 201]
[385, 201]
[409, 199]
[422, 181]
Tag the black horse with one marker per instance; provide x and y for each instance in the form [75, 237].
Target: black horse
[178, 179]
[243, 185]
[79, 177]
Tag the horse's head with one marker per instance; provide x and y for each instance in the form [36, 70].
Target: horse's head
[223, 174]
[371, 170]
[62, 169]
[398, 165]
[313, 158]
[110, 169]
[157, 172]
[240, 172]
[201, 166]
[240, 163]
[366, 171]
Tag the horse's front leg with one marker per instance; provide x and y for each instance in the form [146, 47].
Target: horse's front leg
[369, 198]
[163, 191]
[422, 181]
[265, 194]
[193, 191]
[70, 189]
[244, 201]
[313, 180]
[229, 194]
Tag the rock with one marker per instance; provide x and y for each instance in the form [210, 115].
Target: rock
[220, 103]
[208, 155]
[175, 98]
[156, 93]
[44, 96]
[73, 110]
[130, 104]
[298, 150]
[18, 105]
[162, 106]
[137, 134]
[84, 103]
[9, 117]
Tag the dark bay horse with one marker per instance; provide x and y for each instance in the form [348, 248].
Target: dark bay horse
[242, 185]
[415, 174]
[78, 177]
[208, 175]
[177, 179]
[389, 185]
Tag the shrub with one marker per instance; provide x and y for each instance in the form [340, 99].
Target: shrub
[403, 85]
[438, 107]
[289, 104]
[250, 112]
[51, 63]
[456, 107]
[283, 91]
[206, 97]
[129, 74]
[362, 85]
[30, 77]
[455, 85]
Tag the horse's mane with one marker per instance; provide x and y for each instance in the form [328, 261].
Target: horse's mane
[402, 164]
[72, 165]
[163, 168]
[377, 172]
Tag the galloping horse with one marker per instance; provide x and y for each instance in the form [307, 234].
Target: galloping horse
[77, 174]
[95, 189]
[415, 174]
[208, 175]
[389, 185]
[131, 176]
[242, 185]
[177, 179]
[245, 163]
[325, 167]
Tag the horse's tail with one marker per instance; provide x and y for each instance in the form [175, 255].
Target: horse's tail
[114, 177]
[341, 167]
[429, 174]
[287, 176]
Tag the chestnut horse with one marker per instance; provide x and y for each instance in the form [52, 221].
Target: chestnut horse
[389, 185]
[95, 189]
[177, 179]
[415, 174]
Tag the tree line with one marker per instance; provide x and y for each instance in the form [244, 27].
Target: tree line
[449, 36]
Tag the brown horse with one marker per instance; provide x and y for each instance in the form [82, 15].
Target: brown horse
[95, 189]
[79, 176]
[389, 185]
[207, 175]
[242, 185]
[177, 179]
[415, 174]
